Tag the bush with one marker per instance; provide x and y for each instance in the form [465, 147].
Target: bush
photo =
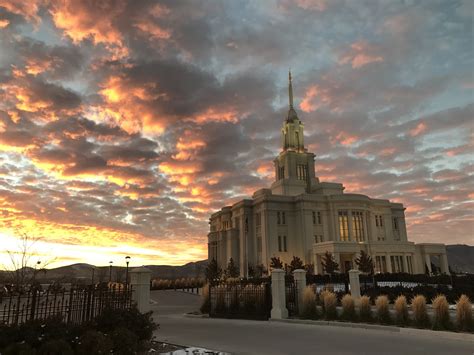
[56, 347]
[330, 303]
[464, 313]
[383, 313]
[142, 325]
[206, 301]
[94, 342]
[348, 307]
[308, 308]
[401, 310]
[365, 310]
[125, 341]
[19, 349]
[441, 313]
[420, 316]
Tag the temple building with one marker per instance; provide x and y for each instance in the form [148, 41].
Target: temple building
[299, 215]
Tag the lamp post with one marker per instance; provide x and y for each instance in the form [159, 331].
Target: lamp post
[110, 271]
[127, 260]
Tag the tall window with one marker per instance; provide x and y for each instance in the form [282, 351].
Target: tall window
[318, 238]
[397, 263]
[283, 218]
[302, 172]
[314, 217]
[395, 223]
[281, 172]
[279, 243]
[317, 217]
[380, 264]
[344, 226]
[378, 220]
[284, 243]
[358, 225]
[278, 218]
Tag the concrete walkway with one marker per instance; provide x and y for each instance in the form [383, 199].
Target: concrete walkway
[257, 337]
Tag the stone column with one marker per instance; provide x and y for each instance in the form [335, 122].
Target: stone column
[279, 310]
[428, 264]
[405, 260]
[389, 262]
[140, 282]
[443, 261]
[317, 264]
[355, 283]
[300, 279]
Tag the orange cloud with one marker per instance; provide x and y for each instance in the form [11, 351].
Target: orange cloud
[153, 30]
[91, 20]
[315, 97]
[419, 129]
[27, 9]
[4, 23]
[217, 115]
[345, 138]
[360, 54]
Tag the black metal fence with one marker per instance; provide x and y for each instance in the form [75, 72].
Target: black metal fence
[246, 299]
[76, 305]
[291, 295]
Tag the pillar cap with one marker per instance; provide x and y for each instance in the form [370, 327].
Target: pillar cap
[299, 271]
[278, 271]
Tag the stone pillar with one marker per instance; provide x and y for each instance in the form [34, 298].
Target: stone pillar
[300, 279]
[405, 260]
[389, 263]
[279, 310]
[428, 264]
[140, 281]
[317, 265]
[355, 283]
[443, 261]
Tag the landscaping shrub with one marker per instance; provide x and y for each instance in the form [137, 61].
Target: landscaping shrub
[56, 347]
[383, 313]
[206, 301]
[441, 313]
[19, 349]
[94, 342]
[125, 341]
[308, 308]
[401, 310]
[365, 311]
[348, 307]
[420, 316]
[464, 313]
[330, 303]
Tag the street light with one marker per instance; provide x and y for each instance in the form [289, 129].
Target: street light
[127, 260]
[110, 271]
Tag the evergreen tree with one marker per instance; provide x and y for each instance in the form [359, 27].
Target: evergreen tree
[250, 271]
[213, 271]
[275, 263]
[232, 269]
[329, 264]
[364, 263]
[296, 263]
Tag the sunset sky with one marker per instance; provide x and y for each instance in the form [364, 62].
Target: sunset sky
[124, 124]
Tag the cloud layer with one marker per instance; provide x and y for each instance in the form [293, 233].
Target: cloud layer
[124, 124]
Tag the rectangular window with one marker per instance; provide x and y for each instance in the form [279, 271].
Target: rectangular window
[281, 172]
[278, 218]
[378, 220]
[314, 217]
[284, 243]
[395, 223]
[279, 243]
[302, 172]
[320, 221]
[380, 264]
[358, 225]
[397, 263]
[283, 219]
[344, 226]
[316, 239]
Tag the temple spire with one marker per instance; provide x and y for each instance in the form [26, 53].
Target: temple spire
[290, 89]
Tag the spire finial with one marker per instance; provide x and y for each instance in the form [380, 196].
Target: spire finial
[290, 89]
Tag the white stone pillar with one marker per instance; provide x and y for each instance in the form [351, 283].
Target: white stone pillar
[140, 282]
[279, 310]
[443, 261]
[317, 264]
[428, 264]
[355, 283]
[389, 263]
[300, 279]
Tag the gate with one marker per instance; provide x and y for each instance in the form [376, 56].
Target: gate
[291, 294]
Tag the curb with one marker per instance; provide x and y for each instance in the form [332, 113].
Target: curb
[411, 331]
[190, 315]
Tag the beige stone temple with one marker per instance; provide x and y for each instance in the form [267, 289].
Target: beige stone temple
[299, 215]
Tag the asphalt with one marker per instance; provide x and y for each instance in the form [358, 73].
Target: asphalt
[262, 337]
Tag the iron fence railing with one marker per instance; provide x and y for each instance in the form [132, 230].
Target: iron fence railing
[76, 305]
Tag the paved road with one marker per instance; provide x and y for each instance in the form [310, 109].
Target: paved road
[260, 338]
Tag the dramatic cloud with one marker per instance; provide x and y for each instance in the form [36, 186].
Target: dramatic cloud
[125, 124]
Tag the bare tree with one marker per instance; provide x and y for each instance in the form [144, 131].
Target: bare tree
[25, 264]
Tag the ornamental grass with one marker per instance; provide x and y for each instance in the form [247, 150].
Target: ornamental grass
[401, 310]
[464, 313]
[365, 309]
[441, 319]
[308, 308]
[330, 304]
[383, 313]
[420, 316]
[206, 301]
[348, 307]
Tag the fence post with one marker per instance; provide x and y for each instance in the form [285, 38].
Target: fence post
[140, 281]
[279, 310]
[300, 280]
[355, 283]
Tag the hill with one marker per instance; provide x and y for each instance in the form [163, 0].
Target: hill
[461, 258]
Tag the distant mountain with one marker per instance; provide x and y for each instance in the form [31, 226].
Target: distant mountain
[461, 258]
